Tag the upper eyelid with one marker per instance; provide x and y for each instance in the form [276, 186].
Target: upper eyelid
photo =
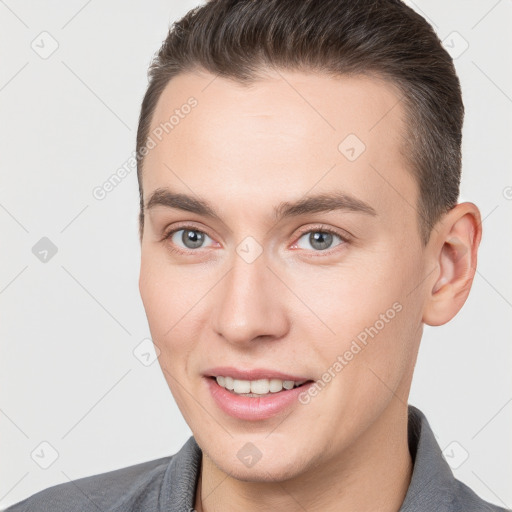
[325, 229]
[191, 227]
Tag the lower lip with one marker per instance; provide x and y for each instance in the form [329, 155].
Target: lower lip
[253, 408]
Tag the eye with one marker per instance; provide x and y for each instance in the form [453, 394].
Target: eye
[191, 238]
[320, 239]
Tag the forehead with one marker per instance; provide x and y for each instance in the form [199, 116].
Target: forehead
[282, 135]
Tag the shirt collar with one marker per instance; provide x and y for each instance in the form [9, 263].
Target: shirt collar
[432, 480]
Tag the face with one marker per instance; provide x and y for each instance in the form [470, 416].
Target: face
[240, 281]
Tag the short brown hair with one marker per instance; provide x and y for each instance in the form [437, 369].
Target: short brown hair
[385, 38]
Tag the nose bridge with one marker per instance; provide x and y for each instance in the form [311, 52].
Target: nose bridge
[248, 306]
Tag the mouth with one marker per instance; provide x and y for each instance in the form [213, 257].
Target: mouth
[257, 388]
[255, 394]
[272, 396]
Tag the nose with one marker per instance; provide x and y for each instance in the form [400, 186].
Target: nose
[250, 304]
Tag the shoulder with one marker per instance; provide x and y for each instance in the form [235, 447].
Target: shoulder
[131, 488]
[466, 500]
[433, 485]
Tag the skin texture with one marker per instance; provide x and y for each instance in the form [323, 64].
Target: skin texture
[296, 307]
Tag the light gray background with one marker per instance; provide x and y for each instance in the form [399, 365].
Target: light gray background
[68, 327]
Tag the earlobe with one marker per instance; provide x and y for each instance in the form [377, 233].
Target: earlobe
[455, 254]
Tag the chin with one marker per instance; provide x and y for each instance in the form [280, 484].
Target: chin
[263, 472]
[274, 466]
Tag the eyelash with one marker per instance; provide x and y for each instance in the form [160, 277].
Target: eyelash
[316, 229]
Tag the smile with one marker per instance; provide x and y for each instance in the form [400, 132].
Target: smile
[256, 388]
[255, 400]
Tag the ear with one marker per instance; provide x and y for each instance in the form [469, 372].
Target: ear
[454, 248]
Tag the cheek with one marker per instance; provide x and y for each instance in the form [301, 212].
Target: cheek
[358, 310]
[174, 298]
[166, 293]
[168, 303]
[163, 302]
[346, 298]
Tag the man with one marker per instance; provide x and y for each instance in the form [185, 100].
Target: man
[299, 169]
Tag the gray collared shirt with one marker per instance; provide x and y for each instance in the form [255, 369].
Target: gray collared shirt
[168, 484]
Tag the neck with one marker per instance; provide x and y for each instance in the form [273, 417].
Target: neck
[372, 475]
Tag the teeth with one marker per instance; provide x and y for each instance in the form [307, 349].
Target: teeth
[229, 383]
[241, 386]
[288, 384]
[256, 387]
[275, 385]
[260, 387]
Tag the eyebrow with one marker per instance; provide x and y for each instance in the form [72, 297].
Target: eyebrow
[319, 203]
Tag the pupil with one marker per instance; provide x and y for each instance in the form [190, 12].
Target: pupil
[192, 239]
[320, 239]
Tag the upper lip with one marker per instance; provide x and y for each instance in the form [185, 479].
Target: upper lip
[252, 374]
